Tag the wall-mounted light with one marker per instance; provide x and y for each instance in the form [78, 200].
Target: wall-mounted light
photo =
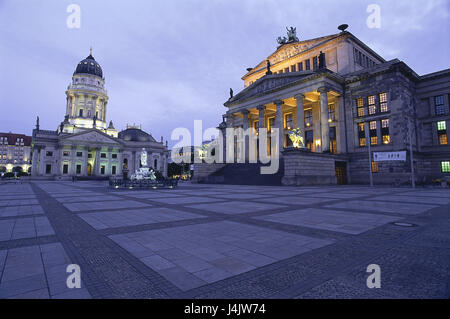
[318, 142]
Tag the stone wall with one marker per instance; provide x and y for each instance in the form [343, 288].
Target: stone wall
[203, 171]
[302, 167]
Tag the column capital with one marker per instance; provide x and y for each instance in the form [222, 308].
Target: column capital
[261, 107]
[299, 96]
[323, 89]
[278, 102]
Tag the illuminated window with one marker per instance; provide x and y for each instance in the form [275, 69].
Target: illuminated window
[288, 121]
[373, 140]
[385, 131]
[383, 102]
[442, 139]
[372, 106]
[360, 106]
[374, 167]
[445, 167]
[331, 113]
[271, 122]
[362, 141]
[373, 125]
[308, 118]
[439, 105]
[441, 126]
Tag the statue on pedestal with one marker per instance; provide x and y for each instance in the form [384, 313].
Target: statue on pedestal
[144, 172]
[144, 158]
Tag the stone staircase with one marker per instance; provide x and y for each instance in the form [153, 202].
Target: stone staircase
[245, 174]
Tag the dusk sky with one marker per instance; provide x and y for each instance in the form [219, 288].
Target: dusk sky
[168, 63]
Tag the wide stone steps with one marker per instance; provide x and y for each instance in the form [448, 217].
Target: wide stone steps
[245, 174]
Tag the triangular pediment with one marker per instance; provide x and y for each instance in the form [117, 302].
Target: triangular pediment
[92, 136]
[289, 50]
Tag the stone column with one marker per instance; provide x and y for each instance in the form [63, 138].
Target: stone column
[67, 105]
[340, 127]
[73, 160]
[132, 163]
[261, 124]
[96, 168]
[279, 124]
[34, 160]
[261, 118]
[85, 105]
[300, 114]
[120, 159]
[245, 140]
[75, 108]
[104, 110]
[324, 127]
[86, 160]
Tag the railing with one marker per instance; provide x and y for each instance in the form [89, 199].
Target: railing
[142, 184]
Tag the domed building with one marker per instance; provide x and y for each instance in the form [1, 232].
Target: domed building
[84, 144]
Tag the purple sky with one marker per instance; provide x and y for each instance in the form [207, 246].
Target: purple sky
[167, 63]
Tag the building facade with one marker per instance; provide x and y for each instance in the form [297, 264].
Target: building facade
[15, 153]
[344, 96]
[84, 144]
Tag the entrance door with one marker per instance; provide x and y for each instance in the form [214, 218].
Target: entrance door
[89, 169]
[341, 172]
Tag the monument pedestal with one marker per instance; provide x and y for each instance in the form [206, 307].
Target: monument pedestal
[303, 167]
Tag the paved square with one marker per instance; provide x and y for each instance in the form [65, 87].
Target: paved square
[235, 207]
[385, 206]
[103, 205]
[351, 223]
[102, 220]
[191, 256]
[221, 241]
[36, 272]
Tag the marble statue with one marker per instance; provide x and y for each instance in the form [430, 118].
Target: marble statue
[292, 34]
[144, 158]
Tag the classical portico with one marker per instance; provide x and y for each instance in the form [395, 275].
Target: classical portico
[308, 101]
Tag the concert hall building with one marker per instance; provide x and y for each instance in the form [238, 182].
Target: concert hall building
[344, 97]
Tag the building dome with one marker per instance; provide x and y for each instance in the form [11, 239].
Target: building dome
[135, 135]
[89, 66]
